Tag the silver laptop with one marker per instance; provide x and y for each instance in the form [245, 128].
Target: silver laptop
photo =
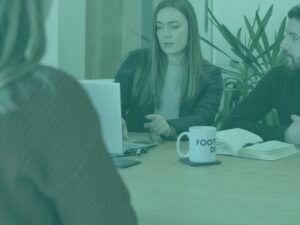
[105, 96]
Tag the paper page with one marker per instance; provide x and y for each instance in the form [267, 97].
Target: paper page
[269, 146]
[270, 150]
[232, 140]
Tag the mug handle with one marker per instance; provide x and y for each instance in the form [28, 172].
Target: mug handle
[178, 145]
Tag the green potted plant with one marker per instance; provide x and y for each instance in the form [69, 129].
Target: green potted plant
[254, 55]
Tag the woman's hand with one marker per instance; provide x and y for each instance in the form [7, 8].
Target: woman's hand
[124, 130]
[158, 125]
[292, 133]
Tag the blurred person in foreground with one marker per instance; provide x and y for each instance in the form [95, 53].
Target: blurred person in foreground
[54, 167]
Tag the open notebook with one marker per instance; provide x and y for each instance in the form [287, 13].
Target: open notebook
[243, 143]
[105, 96]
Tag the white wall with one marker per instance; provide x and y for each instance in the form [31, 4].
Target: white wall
[132, 21]
[65, 33]
[71, 38]
[199, 7]
[51, 54]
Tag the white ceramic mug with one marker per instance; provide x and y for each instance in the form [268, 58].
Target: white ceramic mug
[202, 144]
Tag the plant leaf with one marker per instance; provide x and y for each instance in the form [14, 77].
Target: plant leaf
[238, 35]
[279, 38]
[214, 46]
[264, 35]
[252, 34]
[228, 36]
[140, 35]
[261, 28]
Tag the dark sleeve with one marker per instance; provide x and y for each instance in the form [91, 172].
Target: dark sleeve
[92, 192]
[255, 107]
[205, 106]
[78, 175]
[125, 76]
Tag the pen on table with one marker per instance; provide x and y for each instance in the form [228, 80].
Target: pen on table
[250, 144]
[151, 138]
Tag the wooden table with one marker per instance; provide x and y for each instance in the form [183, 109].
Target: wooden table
[238, 192]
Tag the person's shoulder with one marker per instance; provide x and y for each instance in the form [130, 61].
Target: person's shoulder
[53, 74]
[63, 92]
[210, 68]
[282, 74]
[211, 72]
[133, 59]
[275, 75]
[137, 55]
[56, 85]
[277, 71]
[59, 79]
[140, 52]
[41, 82]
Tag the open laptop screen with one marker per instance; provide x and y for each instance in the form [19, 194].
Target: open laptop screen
[105, 97]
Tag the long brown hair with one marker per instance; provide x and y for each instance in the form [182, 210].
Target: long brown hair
[150, 74]
[22, 38]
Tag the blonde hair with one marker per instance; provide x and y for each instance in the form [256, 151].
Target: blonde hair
[22, 38]
[22, 45]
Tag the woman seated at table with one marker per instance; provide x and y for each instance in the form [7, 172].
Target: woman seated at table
[54, 166]
[169, 87]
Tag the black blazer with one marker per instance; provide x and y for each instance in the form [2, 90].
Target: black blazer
[201, 111]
